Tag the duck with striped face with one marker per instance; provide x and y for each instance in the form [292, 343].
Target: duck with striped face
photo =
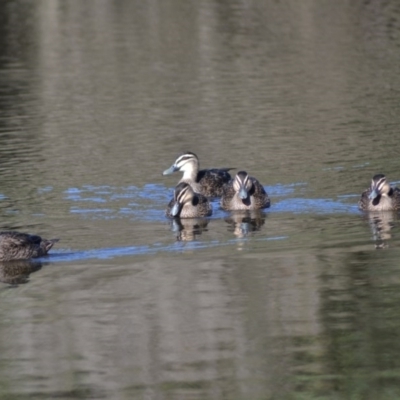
[188, 204]
[244, 193]
[380, 196]
[207, 182]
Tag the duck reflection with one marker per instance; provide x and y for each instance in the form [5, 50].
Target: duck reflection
[381, 223]
[188, 229]
[17, 272]
[243, 223]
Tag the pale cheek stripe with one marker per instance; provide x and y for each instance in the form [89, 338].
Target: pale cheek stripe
[182, 195]
[183, 159]
[381, 184]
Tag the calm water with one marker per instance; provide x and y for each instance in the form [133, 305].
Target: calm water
[97, 98]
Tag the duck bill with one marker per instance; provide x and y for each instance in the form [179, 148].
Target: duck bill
[373, 195]
[170, 170]
[243, 193]
[176, 209]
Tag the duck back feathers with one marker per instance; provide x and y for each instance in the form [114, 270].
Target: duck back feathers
[22, 246]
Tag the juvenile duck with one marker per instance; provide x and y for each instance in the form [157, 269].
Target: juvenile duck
[22, 246]
[188, 204]
[207, 182]
[380, 196]
[244, 193]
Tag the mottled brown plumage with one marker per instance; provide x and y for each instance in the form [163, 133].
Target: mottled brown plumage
[244, 193]
[188, 204]
[22, 246]
[380, 196]
[208, 182]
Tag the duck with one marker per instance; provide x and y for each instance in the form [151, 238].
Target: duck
[23, 246]
[188, 204]
[380, 196]
[244, 193]
[208, 182]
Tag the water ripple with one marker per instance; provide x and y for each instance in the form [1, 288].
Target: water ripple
[109, 253]
[148, 203]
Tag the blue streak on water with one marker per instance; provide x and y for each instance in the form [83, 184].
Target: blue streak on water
[149, 202]
[90, 199]
[361, 165]
[349, 196]
[45, 189]
[90, 210]
[141, 202]
[341, 168]
[315, 206]
[284, 190]
[110, 253]
[337, 168]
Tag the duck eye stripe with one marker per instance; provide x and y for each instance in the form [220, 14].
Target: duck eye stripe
[182, 194]
[184, 158]
[381, 183]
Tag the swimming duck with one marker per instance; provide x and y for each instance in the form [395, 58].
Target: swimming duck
[244, 193]
[22, 246]
[207, 182]
[188, 204]
[380, 196]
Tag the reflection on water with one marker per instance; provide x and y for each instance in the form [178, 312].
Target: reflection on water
[188, 229]
[359, 312]
[295, 303]
[246, 222]
[381, 224]
[17, 272]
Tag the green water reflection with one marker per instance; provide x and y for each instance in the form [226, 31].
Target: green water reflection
[299, 302]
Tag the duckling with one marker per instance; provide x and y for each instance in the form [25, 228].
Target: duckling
[207, 182]
[22, 246]
[380, 196]
[188, 204]
[244, 193]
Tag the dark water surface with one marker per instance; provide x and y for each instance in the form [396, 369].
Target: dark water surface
[301, 301]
